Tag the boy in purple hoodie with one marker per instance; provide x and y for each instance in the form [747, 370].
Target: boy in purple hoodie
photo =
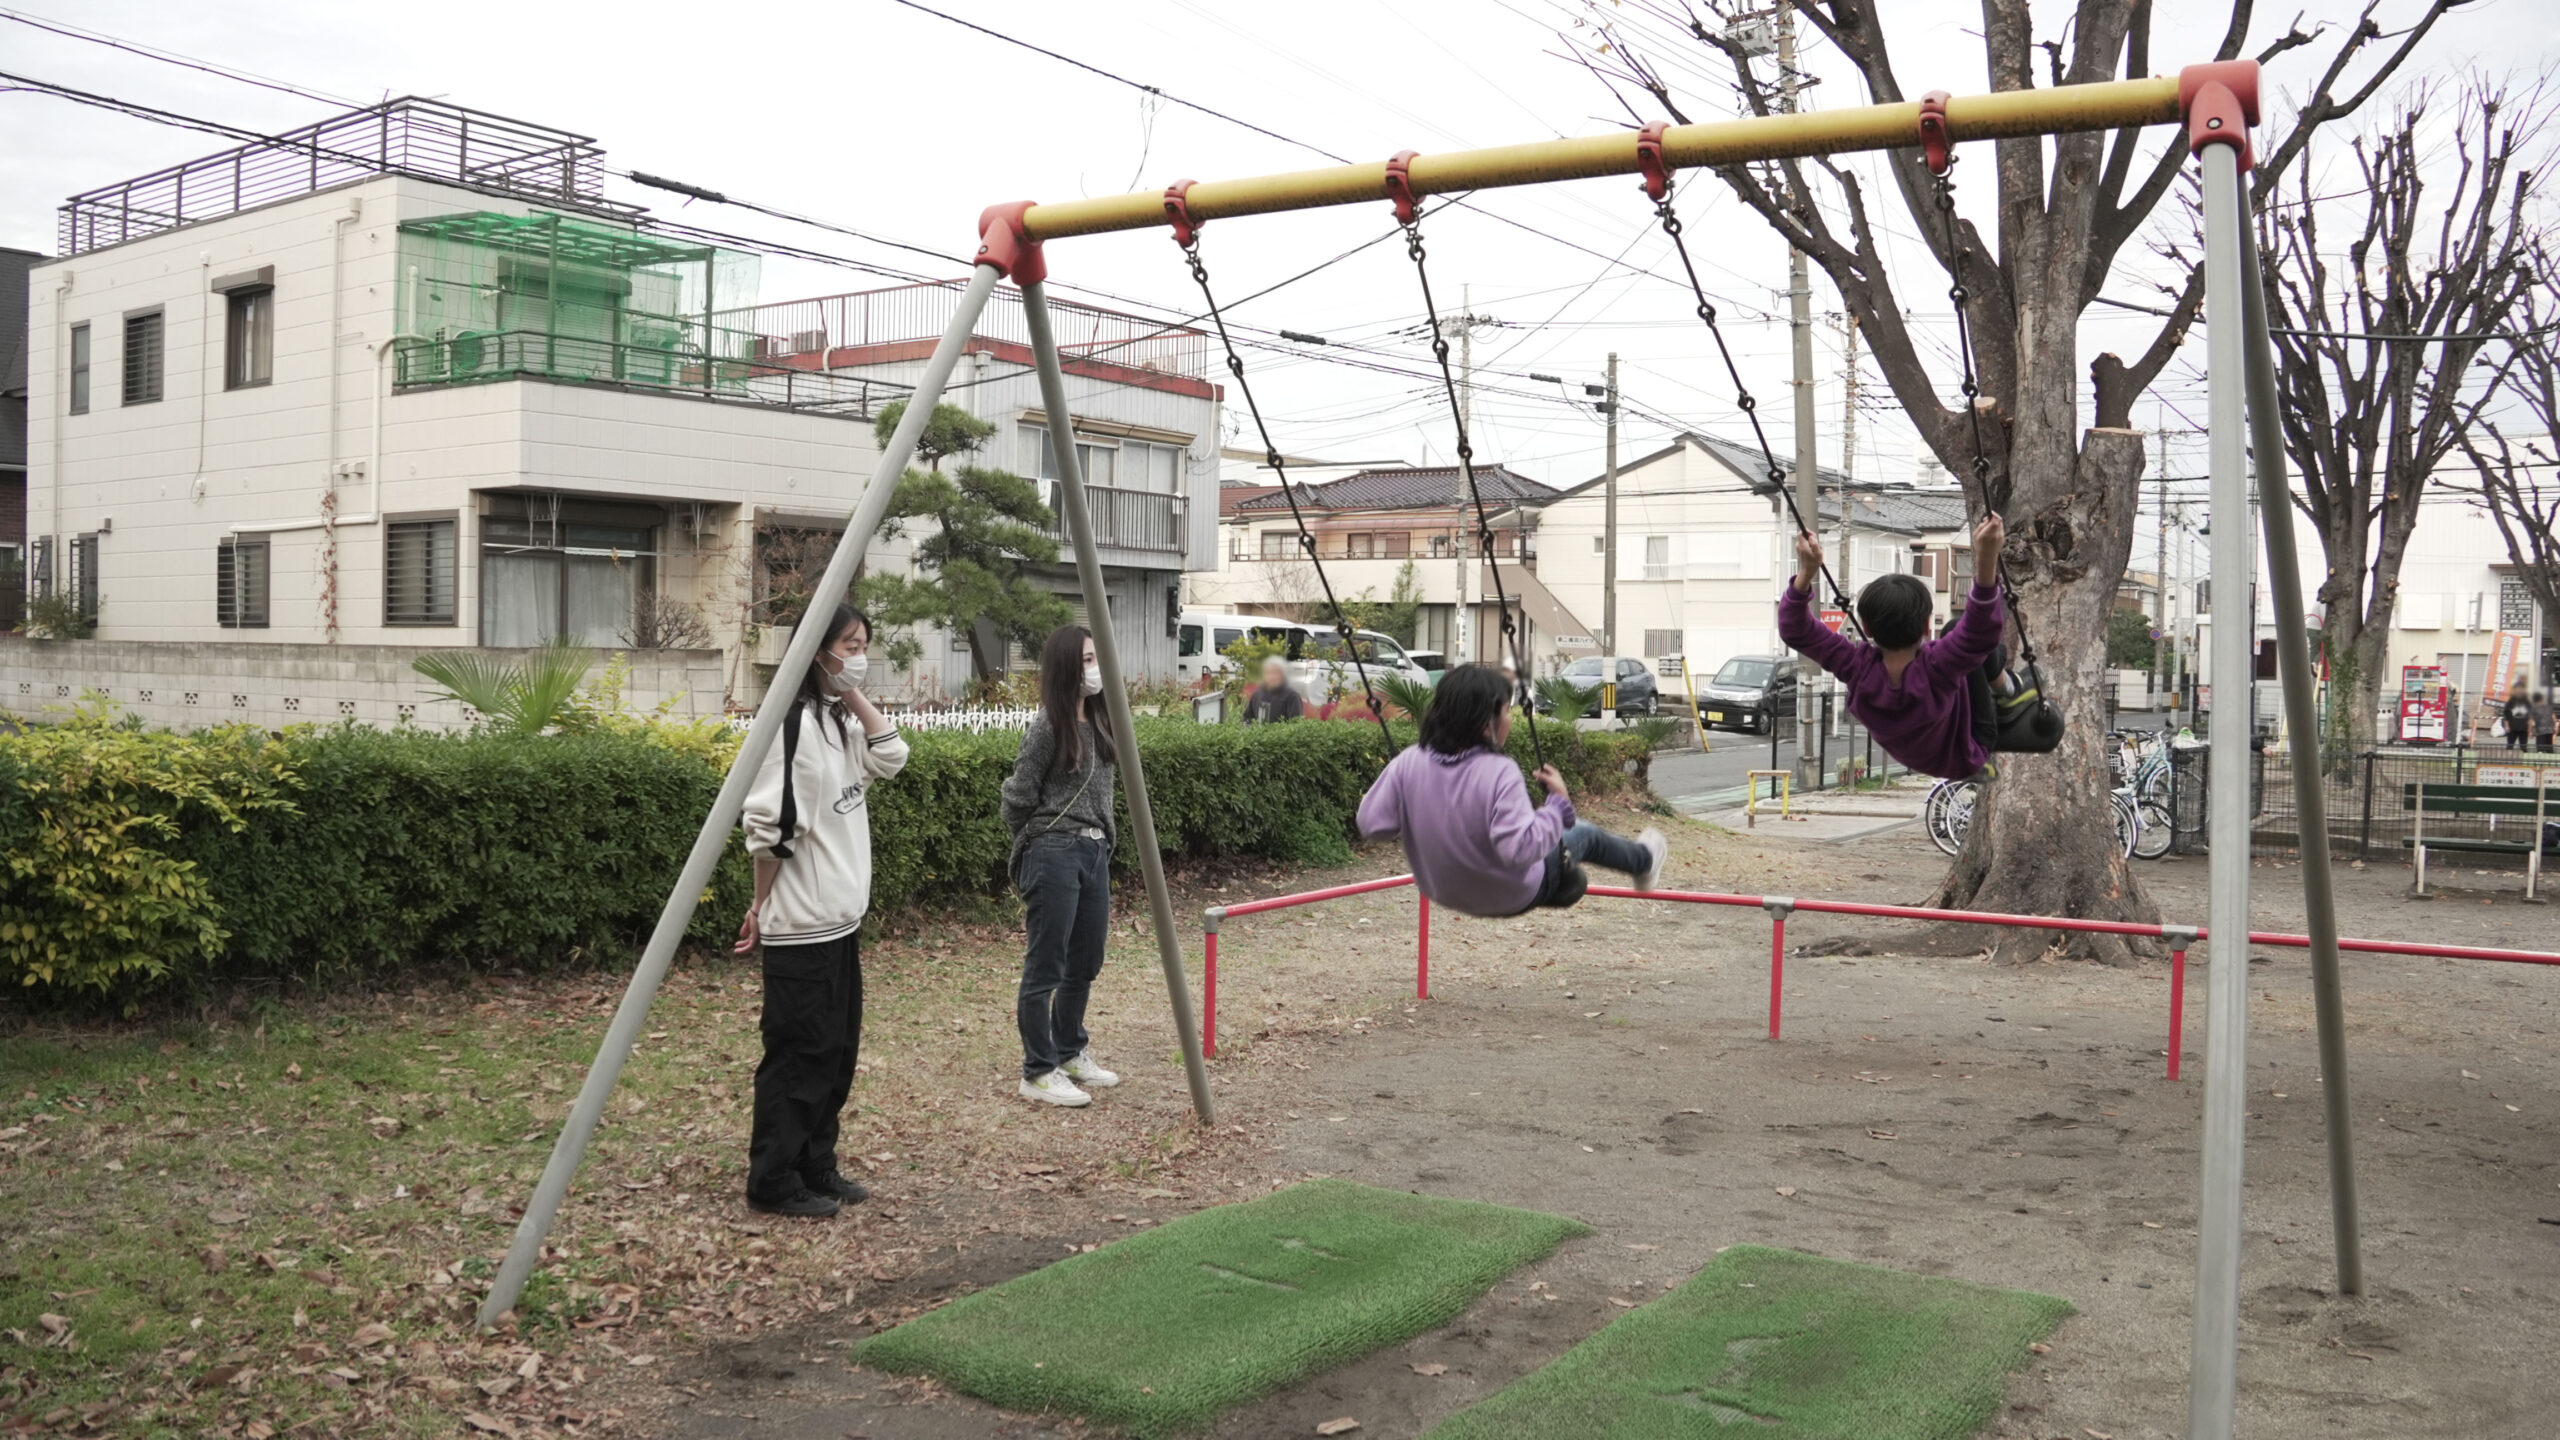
[1475, 843]
[1930, 703]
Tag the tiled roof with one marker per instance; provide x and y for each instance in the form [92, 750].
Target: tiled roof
[1407, 489]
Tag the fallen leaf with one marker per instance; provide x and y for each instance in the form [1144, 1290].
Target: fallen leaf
[1343, 1426]
[500, 1386]
[1787, 1190]
[217, 1377]
[373, 1334]
[258, 1430]
[2038, 1347]
[2094, 1433]
[1644, 1247]
[228, 1217]
[1430, 1367]
[386, 1126]
[1884, 1135]
[1622, 1304]
[214, 1259]
[293, 1071]
[53, 1324]
[2150, 1224]
[487, 1424]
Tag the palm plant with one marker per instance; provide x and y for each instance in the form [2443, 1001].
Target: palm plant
[1655, 730]
[520, 699]
[1405, 693]
[1569, 701]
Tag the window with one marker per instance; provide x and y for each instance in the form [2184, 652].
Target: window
[142, 358]
[1359, 546]
[240, 584]
[1097, 460]
[1226, 637]
[2267, 660]
[1395, 544]
[1236, 546]
[1599, 545]
[249, 338]
[1630, 670]
[1657, 557]
[79, 369]
[84, 574]
[1190, 641]
[555, 569]
[1658, 643]
[417, 572]
[1276, 544]
[40, 565]
[13, 585]
[1960, 563]
[1439, 547]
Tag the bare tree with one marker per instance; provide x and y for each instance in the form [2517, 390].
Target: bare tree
[2067, 206]
[662, 622]
[2520, 473]
[2376, 344]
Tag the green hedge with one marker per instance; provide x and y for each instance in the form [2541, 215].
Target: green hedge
[139, 859]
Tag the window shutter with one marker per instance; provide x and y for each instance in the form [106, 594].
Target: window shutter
[418, 573]
[142, 358]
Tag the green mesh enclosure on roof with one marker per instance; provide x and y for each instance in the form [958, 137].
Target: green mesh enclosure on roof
[485, 296]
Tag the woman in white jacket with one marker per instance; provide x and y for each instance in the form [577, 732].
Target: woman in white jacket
[810, 835]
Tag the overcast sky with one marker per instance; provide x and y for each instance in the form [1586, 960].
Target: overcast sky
[872, 115]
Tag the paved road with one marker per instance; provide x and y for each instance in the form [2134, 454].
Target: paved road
[1695, 783]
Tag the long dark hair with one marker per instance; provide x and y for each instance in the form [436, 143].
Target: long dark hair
[1463, 706]
[813, 681]
[1063, 700]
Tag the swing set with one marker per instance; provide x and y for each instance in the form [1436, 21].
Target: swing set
[2216, 102]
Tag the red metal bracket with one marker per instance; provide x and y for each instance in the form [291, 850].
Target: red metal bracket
[1935, 142]
[1005, 243]
[1649, 161]
[1400, 185]
[2220, 103]
[1177, 212]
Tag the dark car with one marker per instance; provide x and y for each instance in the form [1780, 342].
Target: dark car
[1747, 691]
[1637, 693]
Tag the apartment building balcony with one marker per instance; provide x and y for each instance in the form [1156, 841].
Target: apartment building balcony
[1127, 519]
[479, 357]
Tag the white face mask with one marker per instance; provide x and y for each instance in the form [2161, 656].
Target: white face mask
[1093, 679]
[849, 673]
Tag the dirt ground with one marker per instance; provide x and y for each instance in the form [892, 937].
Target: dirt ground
[2009, 1126]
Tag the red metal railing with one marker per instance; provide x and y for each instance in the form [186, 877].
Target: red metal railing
[1779, 907]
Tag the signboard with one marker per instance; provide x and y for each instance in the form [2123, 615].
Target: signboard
[2423, 705]
[2523, 777]
[1574, 642]
[1835, 621]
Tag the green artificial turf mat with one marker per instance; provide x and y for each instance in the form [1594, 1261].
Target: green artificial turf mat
[1161, 1331]
[1786, 1345]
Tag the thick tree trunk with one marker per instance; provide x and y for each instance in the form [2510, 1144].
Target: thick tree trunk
[2049, 847]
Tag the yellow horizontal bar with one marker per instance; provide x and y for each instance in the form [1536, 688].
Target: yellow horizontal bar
[2002, 115]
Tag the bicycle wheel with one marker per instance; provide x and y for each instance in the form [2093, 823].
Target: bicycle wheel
[2128, 822]
[1948, 814]
[2155, 830]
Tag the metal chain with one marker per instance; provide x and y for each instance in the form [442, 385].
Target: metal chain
[1961, 293]
[1467, 469]
[1750, 407]
[1271, 452]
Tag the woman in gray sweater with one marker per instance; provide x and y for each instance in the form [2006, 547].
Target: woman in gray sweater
[1058, 805]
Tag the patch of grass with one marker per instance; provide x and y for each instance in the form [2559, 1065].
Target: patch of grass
[1780, 1343]
[1162, 1331]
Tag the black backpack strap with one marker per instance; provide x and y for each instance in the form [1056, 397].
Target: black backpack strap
[790, 792]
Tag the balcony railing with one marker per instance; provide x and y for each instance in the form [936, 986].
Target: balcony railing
[1127, 519]
[408, 136]
[481, 356]
[812, 331]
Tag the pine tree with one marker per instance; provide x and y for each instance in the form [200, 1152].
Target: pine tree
[974, 563]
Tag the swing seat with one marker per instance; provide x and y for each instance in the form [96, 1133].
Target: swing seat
[2029, 724]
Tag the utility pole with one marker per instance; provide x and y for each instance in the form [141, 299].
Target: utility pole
[1609, 522]
[2160, 563]
[1464, 324]
[1800, 319]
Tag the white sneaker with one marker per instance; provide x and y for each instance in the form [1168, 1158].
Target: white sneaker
[1054, 1088]
[1084, 1071]
[1660, 850]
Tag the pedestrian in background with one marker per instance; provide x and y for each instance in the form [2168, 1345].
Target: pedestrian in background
[2544, 720]
[1275, 699]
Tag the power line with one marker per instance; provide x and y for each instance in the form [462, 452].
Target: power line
[171, 57]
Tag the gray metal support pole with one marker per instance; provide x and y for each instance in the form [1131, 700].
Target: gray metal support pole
[2302, 718]
[1609, 645]
[2213, 1371]
[1115, 695]
[708, 846]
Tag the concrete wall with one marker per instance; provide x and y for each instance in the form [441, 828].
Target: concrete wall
[185, 687]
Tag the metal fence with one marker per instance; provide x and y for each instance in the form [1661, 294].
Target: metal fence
[1847, 759]
[481, 356]
[2365, 795]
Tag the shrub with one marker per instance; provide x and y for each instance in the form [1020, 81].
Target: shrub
[141, 859]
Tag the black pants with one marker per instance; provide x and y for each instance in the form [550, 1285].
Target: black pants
[1986, 707]
[812, 1031]
[1065, 883]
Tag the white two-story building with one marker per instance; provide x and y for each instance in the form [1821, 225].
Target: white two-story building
[405, 379]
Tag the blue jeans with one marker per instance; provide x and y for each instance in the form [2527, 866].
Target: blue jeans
[1563, 886]
[1065, 883]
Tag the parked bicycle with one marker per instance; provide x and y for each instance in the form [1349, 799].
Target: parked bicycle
[2144, 828]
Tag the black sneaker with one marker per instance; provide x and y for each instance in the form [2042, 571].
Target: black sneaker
[807, 1204]
[833, 1184]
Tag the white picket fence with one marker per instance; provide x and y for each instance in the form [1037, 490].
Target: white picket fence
[976, 719]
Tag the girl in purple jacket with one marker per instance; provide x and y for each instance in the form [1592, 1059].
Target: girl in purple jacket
[1475, 843]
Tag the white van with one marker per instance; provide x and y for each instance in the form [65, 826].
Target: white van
[1201, 639]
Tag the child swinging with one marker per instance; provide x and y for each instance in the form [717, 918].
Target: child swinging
[1935, 705]
[1475, 843]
